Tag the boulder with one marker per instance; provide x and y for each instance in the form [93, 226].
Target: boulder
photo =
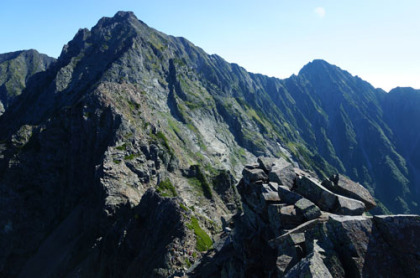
[308, 209]
[315, 192]
[289, 218]
[274, 219]
[402, 233]
[254, 175]
[302, 228]
[380, 246]
[311, 266]
[287, 196]
[285, 261]
[327, 200]
[268, 194]
[346, 187]
[347, 206]
[252, 166]
[266, 163]
[289, 252]
[282, 172]
[274, 185]
[352, 236]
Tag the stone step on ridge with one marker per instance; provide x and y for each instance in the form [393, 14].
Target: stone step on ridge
[346, 187]
[251, 175]
[266, 163]
[287, 196]
[269, 193]
[325, 199]
[308, 209]
[290, 252]
[282, 172]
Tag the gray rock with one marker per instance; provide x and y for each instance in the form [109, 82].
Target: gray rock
[346, 187]
[254, 175]
[315, 192]
[266, 163]
[284, 262]
[252, 166]
[311, 266]
[301, 228]
[327, 200]
[287, 196]
[402, 233]
[274, 217]
[288, 254]
[282, 173]
[363, 249]
[274, 185]
[308, 209]
[289, 218]
[347, 206]
[268, 194]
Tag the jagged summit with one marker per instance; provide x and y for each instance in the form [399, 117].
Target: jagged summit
[404, 90]
[321, 70]
[16, 69]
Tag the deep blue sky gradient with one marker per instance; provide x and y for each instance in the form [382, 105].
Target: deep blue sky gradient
[379, 40]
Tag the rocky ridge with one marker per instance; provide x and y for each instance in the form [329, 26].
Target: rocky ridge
[294, 225]
[16, 68]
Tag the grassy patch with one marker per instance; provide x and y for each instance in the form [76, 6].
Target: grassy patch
[163, 138]
[166, 189]
[134, 106]
[131, 156]
[200, 182]
[181, 205]
[187, 262]
[203, 241]
[123, 147]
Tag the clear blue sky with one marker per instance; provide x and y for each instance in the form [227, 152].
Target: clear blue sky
[378, 40]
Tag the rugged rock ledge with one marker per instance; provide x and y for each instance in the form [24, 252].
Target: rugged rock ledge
[294, 225]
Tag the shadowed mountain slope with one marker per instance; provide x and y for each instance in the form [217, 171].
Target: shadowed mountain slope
[16, 68]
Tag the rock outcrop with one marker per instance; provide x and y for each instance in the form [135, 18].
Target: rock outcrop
[306, 230]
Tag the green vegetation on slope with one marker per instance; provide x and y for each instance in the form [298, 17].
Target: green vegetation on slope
[203, 241]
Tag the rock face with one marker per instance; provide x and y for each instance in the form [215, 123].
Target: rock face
[293, 236]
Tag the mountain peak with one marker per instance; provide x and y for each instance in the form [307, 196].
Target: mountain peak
[317, 65]
[119, 17]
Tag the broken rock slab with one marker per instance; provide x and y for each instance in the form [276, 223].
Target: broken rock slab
[347, 206]
[287, 196]
[346, 187]
[254, 175]
[326, 200]
[268, 194]
[315, 192]
[308, 209]
[311, 266]
[283, 173]
[266, 163]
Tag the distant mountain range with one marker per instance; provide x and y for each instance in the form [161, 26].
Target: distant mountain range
[15, 70]
[126, 108]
